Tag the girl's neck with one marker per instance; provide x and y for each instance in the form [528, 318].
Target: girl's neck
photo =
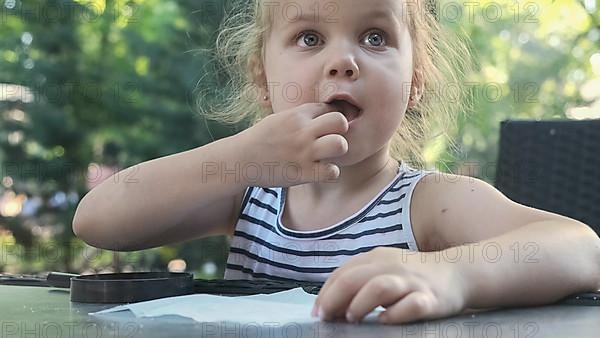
[380, 167]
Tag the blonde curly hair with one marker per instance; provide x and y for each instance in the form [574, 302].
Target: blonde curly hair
[441, 60]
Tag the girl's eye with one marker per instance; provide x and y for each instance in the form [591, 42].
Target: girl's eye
[311, 39]
[376, 38]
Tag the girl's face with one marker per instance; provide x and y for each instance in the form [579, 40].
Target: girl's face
[319, 47]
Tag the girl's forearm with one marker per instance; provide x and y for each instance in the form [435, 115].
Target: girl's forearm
[541, 262]
[134, 208]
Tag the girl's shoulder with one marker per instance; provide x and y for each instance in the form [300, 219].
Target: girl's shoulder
[454, 209]
[437, 196]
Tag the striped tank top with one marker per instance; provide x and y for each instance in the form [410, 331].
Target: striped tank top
[264, 248]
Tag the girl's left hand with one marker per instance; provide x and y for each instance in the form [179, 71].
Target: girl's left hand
[397, 279]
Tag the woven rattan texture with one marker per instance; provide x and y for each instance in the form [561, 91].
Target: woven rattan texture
[552, 165]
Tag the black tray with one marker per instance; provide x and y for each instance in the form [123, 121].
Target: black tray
[129, 287]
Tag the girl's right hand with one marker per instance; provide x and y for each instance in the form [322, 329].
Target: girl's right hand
[292, 147]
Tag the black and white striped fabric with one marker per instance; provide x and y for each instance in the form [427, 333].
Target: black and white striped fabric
[263, 247]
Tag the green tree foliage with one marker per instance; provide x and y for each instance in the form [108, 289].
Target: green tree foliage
[536, 60]
[103, 83]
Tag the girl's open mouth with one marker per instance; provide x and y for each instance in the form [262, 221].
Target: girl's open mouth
[348, 109]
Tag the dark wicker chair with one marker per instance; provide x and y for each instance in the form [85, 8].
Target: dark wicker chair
[553, 165]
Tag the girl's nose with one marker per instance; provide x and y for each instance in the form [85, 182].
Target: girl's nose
[344, 66]
[349, 72]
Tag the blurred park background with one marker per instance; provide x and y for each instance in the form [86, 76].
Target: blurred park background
[90, 87]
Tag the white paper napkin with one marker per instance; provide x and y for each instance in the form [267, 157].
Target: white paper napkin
[284, 307]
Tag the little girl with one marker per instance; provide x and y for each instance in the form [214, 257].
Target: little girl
[319, 188]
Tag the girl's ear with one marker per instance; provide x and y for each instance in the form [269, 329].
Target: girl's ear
[417, 88]
[259, 79]
[256, 70]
